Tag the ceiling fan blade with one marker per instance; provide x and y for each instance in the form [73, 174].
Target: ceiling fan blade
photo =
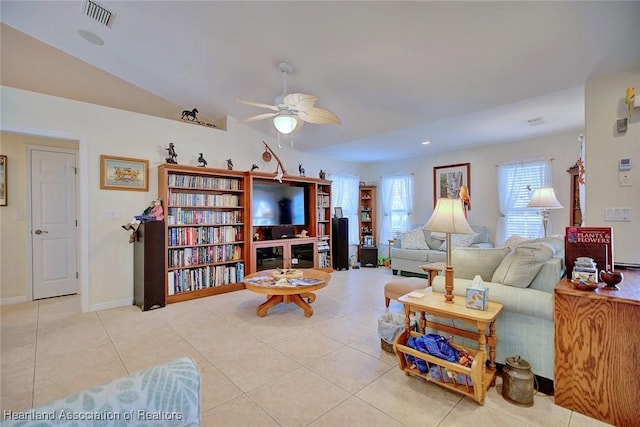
[299, 101]
[319, 116]
[258, 104]
[259, 117]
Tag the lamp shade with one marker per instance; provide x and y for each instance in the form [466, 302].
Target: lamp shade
[285, 123]
[448, 217]
[544, 198]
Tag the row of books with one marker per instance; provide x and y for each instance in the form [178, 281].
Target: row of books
[181, 236]
[204, 277]
[207, 182]
[212, 200]
[204, 255]
[177, 216]
[324, 201]
[324, 260]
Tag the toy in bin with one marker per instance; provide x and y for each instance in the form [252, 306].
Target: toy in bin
[477, 294]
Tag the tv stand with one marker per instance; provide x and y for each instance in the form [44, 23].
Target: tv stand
[297, 252]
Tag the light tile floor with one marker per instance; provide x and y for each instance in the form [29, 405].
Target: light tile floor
[279, 370]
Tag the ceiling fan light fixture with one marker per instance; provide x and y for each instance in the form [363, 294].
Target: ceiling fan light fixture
[285, 123]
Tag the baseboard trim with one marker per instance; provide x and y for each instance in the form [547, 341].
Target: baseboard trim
[111, 304]
[13, 300]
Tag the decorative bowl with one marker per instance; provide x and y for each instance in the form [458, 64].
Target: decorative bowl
[584, 285]
[611, 278]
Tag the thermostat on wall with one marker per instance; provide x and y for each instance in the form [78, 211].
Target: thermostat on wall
[624, 165]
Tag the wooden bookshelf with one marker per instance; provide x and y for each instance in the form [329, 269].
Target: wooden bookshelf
[206, 212]
[368, 249]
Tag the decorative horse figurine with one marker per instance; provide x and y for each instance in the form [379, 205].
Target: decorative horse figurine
[301, 169]
[254, 167]
[202, 161]
[188, 114]
[229, 164]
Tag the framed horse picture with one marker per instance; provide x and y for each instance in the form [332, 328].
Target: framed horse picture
[448, 179]
[123, 173]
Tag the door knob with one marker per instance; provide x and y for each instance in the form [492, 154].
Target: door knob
[41, 231]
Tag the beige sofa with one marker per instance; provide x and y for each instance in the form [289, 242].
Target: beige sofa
[417, 247]
[523, 281]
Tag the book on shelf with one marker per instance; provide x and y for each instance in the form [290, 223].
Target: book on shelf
[591, 242]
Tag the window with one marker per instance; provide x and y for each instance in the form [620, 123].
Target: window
[344, 194]
[397, 206]
[516, 184]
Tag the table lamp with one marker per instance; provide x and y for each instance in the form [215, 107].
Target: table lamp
[545, 199]
[448, 217]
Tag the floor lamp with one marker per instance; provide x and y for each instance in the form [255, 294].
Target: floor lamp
[448, 217]
[545, 199]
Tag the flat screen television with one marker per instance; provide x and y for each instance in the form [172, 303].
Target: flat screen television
[275, 204]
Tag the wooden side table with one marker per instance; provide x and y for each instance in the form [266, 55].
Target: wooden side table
[597, 343]
[432, 269]
[482, 378]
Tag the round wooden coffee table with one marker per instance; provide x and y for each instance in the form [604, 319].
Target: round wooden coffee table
[296, 294]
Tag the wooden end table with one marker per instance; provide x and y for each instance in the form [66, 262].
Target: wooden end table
[432, 269]
[482, 377]
[597, 342]
[287, 294]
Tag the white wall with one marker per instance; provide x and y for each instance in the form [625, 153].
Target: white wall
[564, 149]
[604, 148]
[109, 273]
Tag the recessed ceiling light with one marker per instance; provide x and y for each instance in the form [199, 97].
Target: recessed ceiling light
[426, 142]
[91, 37]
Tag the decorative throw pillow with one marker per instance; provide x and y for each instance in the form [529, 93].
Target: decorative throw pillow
[414, 240]
[514, 241]
[459, 241]
[467, 262]
[521, 266]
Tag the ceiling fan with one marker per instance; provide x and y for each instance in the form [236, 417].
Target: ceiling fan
[289, 107]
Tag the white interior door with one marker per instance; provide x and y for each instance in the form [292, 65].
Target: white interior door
[53, 223]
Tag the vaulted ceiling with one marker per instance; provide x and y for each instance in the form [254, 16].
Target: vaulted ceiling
[396, 73]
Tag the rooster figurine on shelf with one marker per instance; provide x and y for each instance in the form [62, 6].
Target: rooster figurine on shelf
[466, 200]
[630, 98]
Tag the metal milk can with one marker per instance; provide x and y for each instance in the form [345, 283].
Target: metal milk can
[517, 381]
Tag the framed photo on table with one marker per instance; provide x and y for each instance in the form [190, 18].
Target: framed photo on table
[448, 179]
[338, 212]
[123, 173]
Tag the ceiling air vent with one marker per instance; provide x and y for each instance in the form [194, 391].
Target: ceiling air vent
[98, 13]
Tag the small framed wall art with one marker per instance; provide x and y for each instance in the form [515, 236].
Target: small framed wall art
[123, 173]
[448, 179]
[3, 180]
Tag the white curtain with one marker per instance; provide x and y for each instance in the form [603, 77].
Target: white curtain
[387, 201]
[516, 183]
[397, 206]
[345, 192]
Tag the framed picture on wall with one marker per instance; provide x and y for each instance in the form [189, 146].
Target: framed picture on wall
[448, 179]
[3, 180]
[123, 173]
